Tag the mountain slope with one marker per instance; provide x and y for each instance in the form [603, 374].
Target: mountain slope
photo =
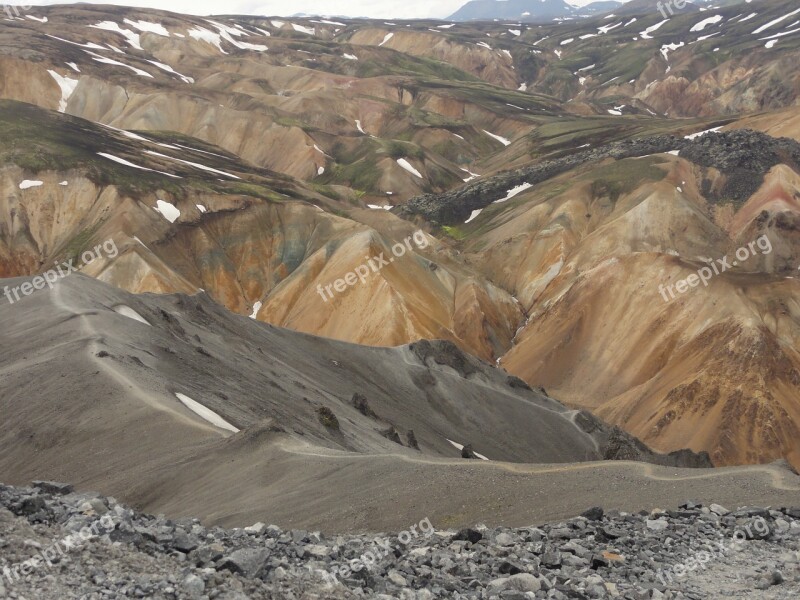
[261, 243]
[535, 162]
[194, 409]
[587, 246]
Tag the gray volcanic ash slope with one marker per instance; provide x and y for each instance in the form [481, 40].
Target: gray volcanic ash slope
[151, 350]
[91, 395]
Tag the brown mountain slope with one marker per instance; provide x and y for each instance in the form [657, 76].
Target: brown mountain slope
[295, 136]
[249, 239]
[715, 368]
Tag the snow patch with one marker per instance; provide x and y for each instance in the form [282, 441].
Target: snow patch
[127, 163]
[148, 27]
[408, 167]
[168, 211]
[204, 35]
[109, 61]
[27, 184]
[706, 22]
[474, 215]
[127, 311]
[301, 29]
[459, 447]
[499, 138]
[206, 413]
[646, 33]
[667, 48]
[514, 192]
[775, 22]
[67, 86]
[693, 136]
[193, 164]
[169, 69]
[131, 36]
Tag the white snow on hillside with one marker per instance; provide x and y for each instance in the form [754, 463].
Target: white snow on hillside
[67, 86]
[131, 36]
[646, 33]
[514, 192]
[474, 215]
[471, 175]
[706, 22]
[91, 45]
[127, 311]
[499, 138]
[148, 27]
[204, 35]
[109, 61]
[302, 29]
[459, 447]
[408, 167]
[206, 413]
[693, 136]
[667, 48]
[127, 163]
[169, 69]
[775, 21]
[169, 211]
[193, 164]
[28, 183]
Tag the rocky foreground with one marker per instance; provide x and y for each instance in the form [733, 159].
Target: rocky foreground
[58, 544]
